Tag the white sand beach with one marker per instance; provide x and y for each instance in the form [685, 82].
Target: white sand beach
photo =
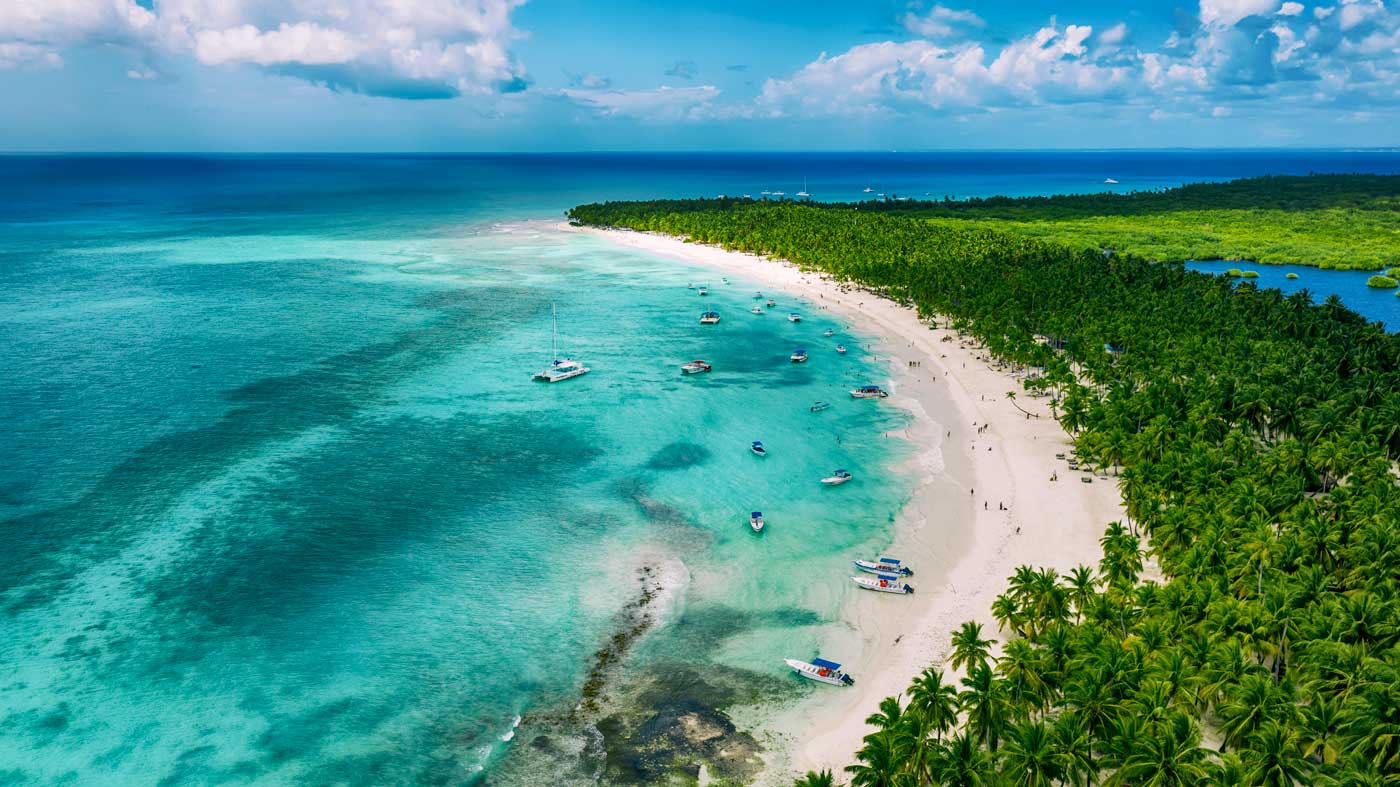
[977, 453]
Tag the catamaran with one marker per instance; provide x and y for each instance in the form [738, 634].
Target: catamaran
[756, 521]
[560, 368]
[794, 317]
[883, 565]
[869, 392]
[803, 193]
[695, 367]
[709, 318]
[841, 348]
[798, 356]
[884, 583]
[822, 671]
[757, 447]
[837, 478]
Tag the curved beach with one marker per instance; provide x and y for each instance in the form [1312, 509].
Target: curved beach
[984, 503]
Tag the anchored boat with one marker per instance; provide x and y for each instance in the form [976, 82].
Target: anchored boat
[770, 303]
[756, 521]
[841, 348]
[704, 290]
[756, 309]
[695, 367]
[757, 447]
[828, 332]
[794, 317]
[819, 406]
[883, 565]
[798, 356]
[709, 318]
[837, 478]
[822, 671]
[869, 392]
[884, 583]
[561, 368]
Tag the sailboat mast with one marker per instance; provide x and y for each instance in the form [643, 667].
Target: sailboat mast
[554, 344]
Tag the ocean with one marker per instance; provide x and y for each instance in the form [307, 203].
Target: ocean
[281, 504]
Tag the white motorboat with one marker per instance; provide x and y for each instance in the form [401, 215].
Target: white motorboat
[771, 303]
[756, 310]
[758, 296]
[828, 332]
[690, 286]
[821, 670]
[868, 189]
[757, 447]
[709, 318]
[884, 583]
[1109, 181]
[756, 521]
[561, 368]
[837, 478]
[798, 356]
[794, 317]
[869, 392]
[723, 280]
[695, 367]
[703, 290]
[841, 348]
[819, 406]
[883, 565]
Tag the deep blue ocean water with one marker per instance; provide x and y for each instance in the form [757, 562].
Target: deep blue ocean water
[281, 505]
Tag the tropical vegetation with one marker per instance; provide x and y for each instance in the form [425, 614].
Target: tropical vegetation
[1242, 626]
[1383, 282]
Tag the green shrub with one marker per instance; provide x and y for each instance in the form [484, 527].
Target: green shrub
[1234, 273]
[1290, 276]
[1250, 274]
[1382, 282]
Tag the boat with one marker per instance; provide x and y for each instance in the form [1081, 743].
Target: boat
[756, 310]
[794, 317]
[756, 521]
[758, 296]
[695, 367]
[868, 189]
[837, 478]
[771, 303]
[869, 392]
[822, 671]
[819, 406]
[884, 583]
[561, 368]
[841, 348]
[709, 318]
[798, 356]
[803, 193]
[1109, 181]
[704, 290]
[690, 286]
[828, 332]
[723, 280]
[780, 194]
[883, 565]
[757, 447]
[765, 192]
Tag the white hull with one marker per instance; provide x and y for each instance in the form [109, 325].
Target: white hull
[868, 583]
[876, 568]
[866, 395]
[813, 672]
[757, 525]
[836, 480]
[549, 377]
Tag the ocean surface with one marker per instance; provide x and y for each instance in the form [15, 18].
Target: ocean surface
[281, 505]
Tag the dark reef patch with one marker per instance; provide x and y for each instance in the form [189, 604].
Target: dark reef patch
[678, 456]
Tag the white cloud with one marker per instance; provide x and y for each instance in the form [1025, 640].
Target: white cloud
[662, 103]
[940, 21]
[1290, 9]
[404, 48]
[1224, 13]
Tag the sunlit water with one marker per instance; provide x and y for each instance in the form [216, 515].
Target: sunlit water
[280, 503]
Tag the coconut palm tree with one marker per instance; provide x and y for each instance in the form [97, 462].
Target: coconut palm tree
[969, 649]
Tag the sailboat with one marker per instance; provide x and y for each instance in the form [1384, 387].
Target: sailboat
[561, 368]
[803, 193]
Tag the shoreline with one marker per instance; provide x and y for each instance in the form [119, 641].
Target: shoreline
[973, 448]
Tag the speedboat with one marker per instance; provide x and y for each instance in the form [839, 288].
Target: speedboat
[837, 478]
[819, 406]
[822, 671]
[709, 318]
[828, 332]
[884, 583]
[757, 447]
[771, 303]
[841, 348]
[703, 290]
[695, 367]
[561, 369]
[883, 565]
[756, 521]
[798, 356]
[868, 189]
[1109, 181]
[756, 310]
[758, 296]
[869, 392]
[794, 317]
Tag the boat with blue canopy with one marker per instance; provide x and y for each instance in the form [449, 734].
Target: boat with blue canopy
[756, 521]
[883, 565]
[884, 583]
[709, 318]
[757, 447]
[821, 670]
[799, 355]
[837, 478]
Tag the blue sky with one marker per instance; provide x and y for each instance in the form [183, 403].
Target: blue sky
[486, 75]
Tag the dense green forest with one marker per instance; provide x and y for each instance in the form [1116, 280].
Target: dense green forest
[1256, 436]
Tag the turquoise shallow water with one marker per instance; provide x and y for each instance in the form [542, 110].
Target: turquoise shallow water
[280, 504]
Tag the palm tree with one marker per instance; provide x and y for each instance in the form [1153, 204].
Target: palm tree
[1075, 748]
[880, 760]
[816, 779]
[1030, 758]
[934, 700]
[985, 704]
[1170, 759]
[964, 764]
[969, 649]
[1274, 758]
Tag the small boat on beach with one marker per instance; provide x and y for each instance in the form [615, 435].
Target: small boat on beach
[695, 367]
[756, 521]
[869, 392]
[709, 318]
[837, 478]
[798, 356]
[819, 406]
[561, 368]
[757, 447]
[828, 332]
[884, 583]
[794, 317]
[883, 565]
[822, 671]
[841, 348]
[771, 303]
[756, 309]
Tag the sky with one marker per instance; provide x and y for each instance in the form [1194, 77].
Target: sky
[565, 75]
